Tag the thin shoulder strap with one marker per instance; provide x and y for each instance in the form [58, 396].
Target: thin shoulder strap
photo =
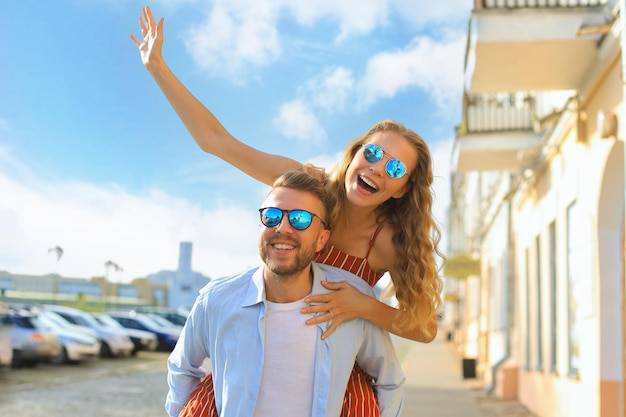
[373, 239]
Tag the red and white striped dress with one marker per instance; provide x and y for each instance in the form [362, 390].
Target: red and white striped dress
[360, 399]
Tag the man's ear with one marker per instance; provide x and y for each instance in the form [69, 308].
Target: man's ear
[322, 239]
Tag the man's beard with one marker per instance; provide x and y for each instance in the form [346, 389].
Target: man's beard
[303, 258]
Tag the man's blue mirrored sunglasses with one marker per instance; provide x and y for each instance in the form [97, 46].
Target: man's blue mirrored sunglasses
[395, 168]
[298, 219]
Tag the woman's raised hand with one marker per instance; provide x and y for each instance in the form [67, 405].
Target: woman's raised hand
[150, 46]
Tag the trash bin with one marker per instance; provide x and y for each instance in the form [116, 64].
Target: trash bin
[469, 368]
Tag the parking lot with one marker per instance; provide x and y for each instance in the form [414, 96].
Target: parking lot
[115, 387]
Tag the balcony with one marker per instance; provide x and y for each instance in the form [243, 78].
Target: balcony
[497, 133]
[533, 45]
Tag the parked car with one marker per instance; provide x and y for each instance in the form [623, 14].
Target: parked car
[143, 340]
[173, 316]
[113, 342]
[77, 345]
[162, 321]
[31, 345]
[6, 327]
[62, 322]
[167, 336]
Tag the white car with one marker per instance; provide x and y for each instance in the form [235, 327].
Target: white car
[6, 325]
[61, 322]
[142, 339]
[31, 344]
[114, 342]
[167, 336]
[78, 346]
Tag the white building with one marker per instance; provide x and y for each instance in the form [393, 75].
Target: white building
[538, 203]
[172, 289]
[183, 284]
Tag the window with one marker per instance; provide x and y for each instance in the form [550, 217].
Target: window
[539, 318]
[527, 263]
[573, 305]
[553, 292]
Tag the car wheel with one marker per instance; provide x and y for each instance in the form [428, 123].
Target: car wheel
[16, 362]
[163, 346]
[61, 358]
[105, 350]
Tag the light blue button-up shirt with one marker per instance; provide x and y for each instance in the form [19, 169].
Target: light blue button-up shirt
[226, 324]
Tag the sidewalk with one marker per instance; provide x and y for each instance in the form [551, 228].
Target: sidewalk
[435, 386]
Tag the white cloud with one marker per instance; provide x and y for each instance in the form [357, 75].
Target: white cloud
[96, 224]
[240, 35]
[435, 14]
[296, 120]
[236, 35]
[353, 17]
[326, 161]
[433, 65]
[358, 17]
[329, 90]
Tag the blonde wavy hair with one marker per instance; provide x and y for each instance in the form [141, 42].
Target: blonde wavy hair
[418, 284]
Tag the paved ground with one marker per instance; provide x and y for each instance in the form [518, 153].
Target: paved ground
[136, 387]
[120, 387]
[435, 386]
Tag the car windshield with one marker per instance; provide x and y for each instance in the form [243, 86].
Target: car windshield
[24, 322]
[147, 321]
[108, 321]
[88, 320]
[49, 322]
[160, 320]
[58, 320]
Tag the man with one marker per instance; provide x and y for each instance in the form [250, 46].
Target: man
[265, 360]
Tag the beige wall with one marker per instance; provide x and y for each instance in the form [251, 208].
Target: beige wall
[592, 174]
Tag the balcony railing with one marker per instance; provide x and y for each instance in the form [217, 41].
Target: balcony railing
[538, 4]
[497, 131]
[498, 112]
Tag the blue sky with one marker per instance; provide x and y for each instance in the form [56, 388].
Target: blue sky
[94, 160]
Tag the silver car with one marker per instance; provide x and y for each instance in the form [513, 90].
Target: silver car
[6, 326]
[78, 346]
[113, 342]
[30, 343]
[143, 340]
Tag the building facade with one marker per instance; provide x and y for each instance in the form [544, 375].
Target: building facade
[171, 289]
[538, 205]
[183, 284]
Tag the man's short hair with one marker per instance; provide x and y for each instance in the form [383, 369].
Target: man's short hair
[300, 180]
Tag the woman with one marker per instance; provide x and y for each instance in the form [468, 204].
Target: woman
[383, 222]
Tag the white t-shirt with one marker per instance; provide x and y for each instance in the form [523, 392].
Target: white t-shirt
[289, 362]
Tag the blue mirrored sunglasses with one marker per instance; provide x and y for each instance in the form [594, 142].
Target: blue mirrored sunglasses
[395, 168]
[298, 219]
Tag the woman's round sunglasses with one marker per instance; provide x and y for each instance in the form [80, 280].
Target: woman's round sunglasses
[298, 219]
[395, 168]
